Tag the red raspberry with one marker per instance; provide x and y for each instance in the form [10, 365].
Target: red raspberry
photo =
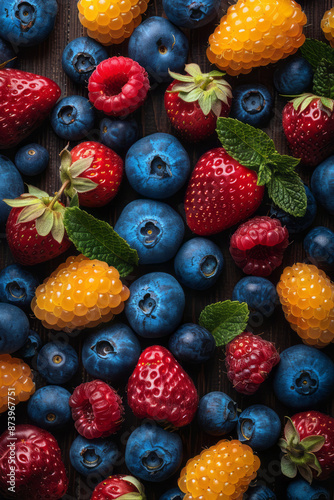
[249, 360]
[258, 245]
[118, 86]
[96, 409]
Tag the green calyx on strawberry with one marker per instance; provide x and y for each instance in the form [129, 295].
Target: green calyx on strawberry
[70, 172]
[299, 454]
[301, 102]
[120, 487]
[139, 495]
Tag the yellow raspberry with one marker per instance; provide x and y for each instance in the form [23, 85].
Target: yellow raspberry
[111, 21]
[222, 472]
[307, 298]
[16, 381]
[255, 33]
[80, 293]
[327, 26]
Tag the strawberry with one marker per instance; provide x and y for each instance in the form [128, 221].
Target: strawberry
[308, 446]
[26, 100]
[97, 179]
[119, 486]
[308, 124]
[161, 390]
[194, 102]
[221, 193]
[35, 230]
[34, 455]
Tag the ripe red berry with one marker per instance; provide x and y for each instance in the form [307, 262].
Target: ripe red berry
[119, 486]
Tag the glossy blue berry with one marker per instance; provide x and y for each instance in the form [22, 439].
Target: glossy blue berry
[319, 247]
[49, 407]
[17, 285]
[299, 489]
[94, 456]
[111, 353]
[252, 104]
[199, 263]
[27, 23]
[80, 58]
[156, 304]
[57, 362]
[7, 54]
[31, 346]
[304, 377]
[259, 426]
[260, 295]
[153, 228]
[153, 454]
[157, 166]
[32, 159]
[293, 76]
[260, 492]
[11, 186]
[173, 494]
[118, 134]
[192, 343]
[297, 224]
[217, 413]
[166, 48]
[322, 184]
[14, 328]
[191, 13]
[73, 118]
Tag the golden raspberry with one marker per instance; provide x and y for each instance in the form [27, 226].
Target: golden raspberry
[81, 293]
[16, 381]
[255, 33]
[307, 298]
[222, 472]
[327, 26]
[111, 21]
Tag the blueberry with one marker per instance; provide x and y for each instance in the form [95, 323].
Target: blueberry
[49, 407]
[153, 228]
[304, 377]
[73, 118]
[14, 328]
[166, 48]
[80, 58]
[260, 295]
[32, 159]
[192, 344]
[118, 134]
[199, 263]
[157, 166]
[11, 186]
[31, 346]
[93, 456]
[191, 13]
[299, 489]
[111, 353]
[260, 492]
[293, 76]
[252, 104]
[153, 454]
[173, 494]
[297, 224]
[25, 23]
[319, 247]
[217, 413]
[322, 184]
[259, 426]
[17, 286]
[155, 306]
[57, 362]
[7, 54]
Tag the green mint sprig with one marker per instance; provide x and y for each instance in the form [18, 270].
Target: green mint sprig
[321, 57]
[225, 320]
[254, 149]
[96, 239]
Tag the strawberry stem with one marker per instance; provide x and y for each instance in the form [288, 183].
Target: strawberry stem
[58, 194]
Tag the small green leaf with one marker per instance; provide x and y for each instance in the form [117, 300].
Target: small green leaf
[191, 96]
[327, 103]
[79, 166]
[31, 212]
[44, 223]
[216, 74]
[288, 193]
[288, 468]
[205, 103]
[313, 443]
[282, 444]
[58, 229]
[74, 201]
[132, 496]
[283, 163]
[314, 51]
[184, 87]
[290, 433]
[315, 465]
[225, 320]
[193, 69]
[306, 473]
[264, 175]
[98, 240]
[82, 185]
[34, 191]
[323, 80]
[180, 78]
[65, 158]
[22, 202]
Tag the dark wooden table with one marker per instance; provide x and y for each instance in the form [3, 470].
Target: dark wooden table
[46, 60]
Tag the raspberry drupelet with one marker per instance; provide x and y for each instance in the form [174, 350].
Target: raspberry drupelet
[15, 376]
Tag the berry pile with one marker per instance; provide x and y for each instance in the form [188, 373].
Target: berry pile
[16, 377]
[81, 293]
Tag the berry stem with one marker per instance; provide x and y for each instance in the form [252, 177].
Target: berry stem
[58, 194]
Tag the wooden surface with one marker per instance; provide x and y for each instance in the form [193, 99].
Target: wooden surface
[46, 60]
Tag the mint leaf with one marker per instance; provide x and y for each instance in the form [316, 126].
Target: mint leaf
[98, 240]
[264, 175]
[288, 193]
[323, 80]
[74, 201]
[225, 320]
[314, 51]
[283, 163]
[248, 145]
